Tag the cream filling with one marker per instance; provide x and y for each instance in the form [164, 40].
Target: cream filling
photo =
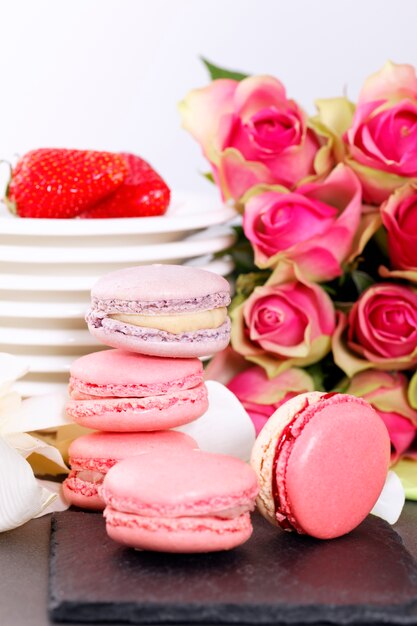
[177, 324]
[232, 512]
[90, 476]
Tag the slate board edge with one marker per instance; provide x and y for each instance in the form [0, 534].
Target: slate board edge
[145, 613]
[132, 613]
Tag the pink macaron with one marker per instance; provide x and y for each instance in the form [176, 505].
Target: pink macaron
[128, 392]
[180, 502]
[321, 460]
[162, 310]
[91, 457]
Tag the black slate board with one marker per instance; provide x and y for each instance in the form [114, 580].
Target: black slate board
[365, 577]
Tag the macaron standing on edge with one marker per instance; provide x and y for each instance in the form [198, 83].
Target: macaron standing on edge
[321, 461]
[116, 390]
[91, 456]
[180, 501]
[162, 310]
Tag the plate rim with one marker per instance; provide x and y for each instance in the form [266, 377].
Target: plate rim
[182, 249]
[25, 227]
[16, 288]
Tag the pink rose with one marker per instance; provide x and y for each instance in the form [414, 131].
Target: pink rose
[314, 226]
[380, 331]
[261, 396]
[283, 325]
[383, 137]
[251, 133]
[387, 392]
[399, 216]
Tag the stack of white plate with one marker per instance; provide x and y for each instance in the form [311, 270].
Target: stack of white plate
[47, 268]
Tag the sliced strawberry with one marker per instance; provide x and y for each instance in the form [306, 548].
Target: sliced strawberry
[61, 183]
[143, 193]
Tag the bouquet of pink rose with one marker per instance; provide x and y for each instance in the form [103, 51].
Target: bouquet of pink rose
[326, 294]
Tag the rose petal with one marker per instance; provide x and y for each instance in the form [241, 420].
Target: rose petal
[201, 112]
[225, 365]
[369, 223]
[253, 385]
[392, 80]
[256, 93]
[412, 391]
[406, 470]
[336, 113]
[274, 365]
[409, 275]
[376, 184]
[347, 361]
[237, 176]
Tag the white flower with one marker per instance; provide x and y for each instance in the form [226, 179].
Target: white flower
[22, 496]
[225, 428]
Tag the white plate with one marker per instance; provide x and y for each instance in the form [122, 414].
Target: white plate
[207, 243]
[187, 212]
[27, 388]
[51, 364]
[43, 310]
[46, 337]
[62, 282]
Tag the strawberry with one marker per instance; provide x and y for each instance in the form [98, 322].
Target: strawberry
[60, 183]
[142, 193]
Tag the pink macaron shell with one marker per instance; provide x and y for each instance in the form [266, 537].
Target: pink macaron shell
[99, 452]
[149, 283]
[173, 484]
[120, 373]
[177, 535]
[140, 414]
[128, 337]
[192, 501]
[336, 467]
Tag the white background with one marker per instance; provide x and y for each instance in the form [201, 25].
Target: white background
[107, 74]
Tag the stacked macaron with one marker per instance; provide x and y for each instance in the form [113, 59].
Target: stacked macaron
[163, 310]
[158, 320]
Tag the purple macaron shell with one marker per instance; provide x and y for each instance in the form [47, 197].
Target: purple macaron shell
[158, 342]
[156, 283]
[101, 308]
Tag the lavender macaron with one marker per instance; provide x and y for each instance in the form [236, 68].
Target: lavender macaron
[161, 310]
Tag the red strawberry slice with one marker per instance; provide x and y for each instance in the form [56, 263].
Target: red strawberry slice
[143, 193]
[61, 183]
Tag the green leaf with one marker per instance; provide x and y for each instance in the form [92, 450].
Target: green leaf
[330, 290]
[317, 375]
[246, 283]
[208, 176]
[381, 238]
[362, 280]
[237, 301]
[241, 252]
[220, 72]
[341, 385]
